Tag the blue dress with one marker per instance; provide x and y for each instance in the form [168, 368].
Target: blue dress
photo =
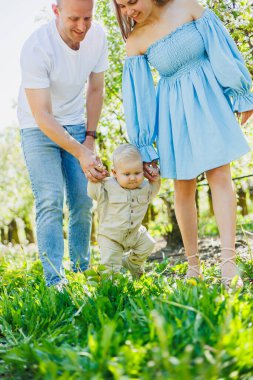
[190, 115]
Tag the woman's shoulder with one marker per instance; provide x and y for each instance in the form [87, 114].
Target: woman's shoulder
[133, 43]
[137, 40]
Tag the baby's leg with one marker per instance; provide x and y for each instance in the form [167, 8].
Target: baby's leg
[140, 251]
[111, 254]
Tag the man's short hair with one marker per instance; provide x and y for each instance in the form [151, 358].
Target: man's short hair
[58, 2]
[126, 152]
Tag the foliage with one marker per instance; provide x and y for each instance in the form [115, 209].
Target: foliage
[112, 126]
[15, 191]
[159, 327]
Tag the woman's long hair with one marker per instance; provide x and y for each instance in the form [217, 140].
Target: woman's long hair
[126, 24]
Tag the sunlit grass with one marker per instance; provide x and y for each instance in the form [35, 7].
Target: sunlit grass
[160, 327]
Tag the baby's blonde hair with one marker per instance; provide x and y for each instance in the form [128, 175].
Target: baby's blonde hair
[126, 152]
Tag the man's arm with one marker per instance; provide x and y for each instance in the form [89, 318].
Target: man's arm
[41, 107]
[94, 103]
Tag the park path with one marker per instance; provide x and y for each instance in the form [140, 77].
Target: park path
[209, 250]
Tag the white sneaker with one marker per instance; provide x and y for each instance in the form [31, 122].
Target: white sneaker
[61, 285]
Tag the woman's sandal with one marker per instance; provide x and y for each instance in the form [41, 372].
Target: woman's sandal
[228, 280]
[194, 270]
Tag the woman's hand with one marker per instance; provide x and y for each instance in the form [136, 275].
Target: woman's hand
[244, 116]
[151, 171]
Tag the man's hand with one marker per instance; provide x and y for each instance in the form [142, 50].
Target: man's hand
[92, 166]
[94, 101]
[151, 171]
[98, 172]
[244, 116]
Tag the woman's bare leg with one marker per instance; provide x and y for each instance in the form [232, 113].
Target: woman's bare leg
[186, 214]
[224, 205]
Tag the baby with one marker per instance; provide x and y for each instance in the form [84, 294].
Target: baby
[122, 202]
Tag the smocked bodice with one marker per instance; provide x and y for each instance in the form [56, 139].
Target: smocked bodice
[177, 52]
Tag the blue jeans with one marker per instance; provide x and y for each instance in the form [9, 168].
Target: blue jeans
[53, 170]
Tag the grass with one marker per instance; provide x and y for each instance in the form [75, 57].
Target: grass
[160, 327]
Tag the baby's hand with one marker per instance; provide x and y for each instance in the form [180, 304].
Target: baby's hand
[151, 171]
[97, 173]
[156, 177]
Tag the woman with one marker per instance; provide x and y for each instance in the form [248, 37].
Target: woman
[203, 82]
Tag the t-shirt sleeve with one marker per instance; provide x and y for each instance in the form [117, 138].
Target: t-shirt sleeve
[35, 66]
[102, 63]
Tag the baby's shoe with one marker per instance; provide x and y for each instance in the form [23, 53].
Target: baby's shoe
[136, 270]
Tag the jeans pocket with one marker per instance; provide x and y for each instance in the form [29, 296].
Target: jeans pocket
[78, 132]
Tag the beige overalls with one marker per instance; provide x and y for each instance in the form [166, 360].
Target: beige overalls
[120, 214]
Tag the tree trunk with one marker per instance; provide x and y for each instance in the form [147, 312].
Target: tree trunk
[29, 234]
[149, 216]
[197, 200]
[2, 235]
[153, 213]
[12, 235]
[241, 202]
[173, 238]
[210, 202]
[251, 192]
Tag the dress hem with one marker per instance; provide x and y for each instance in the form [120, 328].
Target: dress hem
[208, 167]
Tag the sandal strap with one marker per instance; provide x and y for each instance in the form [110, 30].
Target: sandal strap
[228, 249]
[194, 268]
[194, 255]
[228, 260]
[227, 282]
[226, 278]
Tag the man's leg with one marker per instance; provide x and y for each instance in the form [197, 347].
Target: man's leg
[80, 215]
[43, 161]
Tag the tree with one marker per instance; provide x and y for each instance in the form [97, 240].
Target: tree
[15, 192]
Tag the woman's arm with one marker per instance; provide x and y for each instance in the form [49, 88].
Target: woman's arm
[227, 64]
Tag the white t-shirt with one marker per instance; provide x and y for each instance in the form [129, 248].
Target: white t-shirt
[48, 62]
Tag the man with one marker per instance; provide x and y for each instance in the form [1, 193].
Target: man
[56, 62]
